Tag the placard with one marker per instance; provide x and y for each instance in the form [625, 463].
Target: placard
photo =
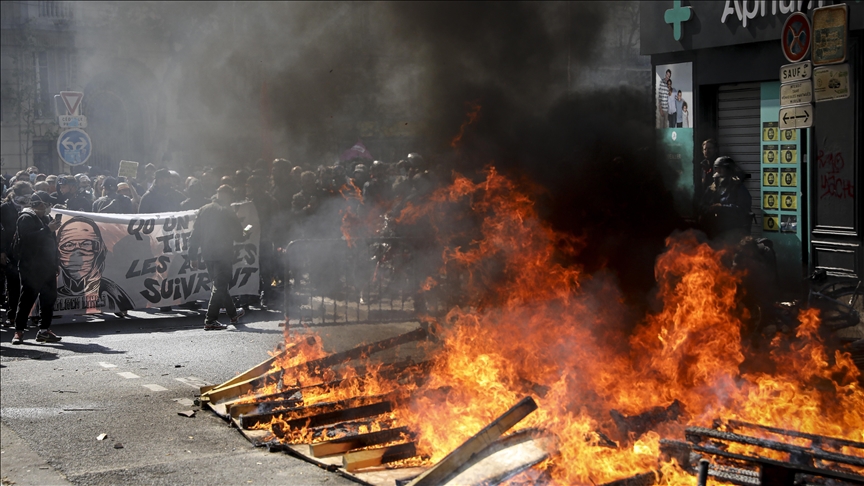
[128, 169]
[789, 201]
[771, 222]
[788, 154]
[769, 200]
[770, 154]
[770, 132]
[789, 135]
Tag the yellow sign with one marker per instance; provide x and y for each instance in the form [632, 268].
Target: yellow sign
[788, 154]
[769, 154]
[788, 200]
[770, 132]
[789, 178]
[770, 178]
[128, 169]
[789, 135]
[771, 222]
[769, 200]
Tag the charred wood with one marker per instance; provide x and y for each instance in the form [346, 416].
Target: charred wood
[332, 417]
[645, 421]
[817, 439]
[644, 479]
[251, 419]
[699, 434]
[346, 444]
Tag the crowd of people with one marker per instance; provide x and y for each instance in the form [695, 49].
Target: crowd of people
[293, 201]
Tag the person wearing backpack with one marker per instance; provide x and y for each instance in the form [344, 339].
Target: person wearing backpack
[17, 200]
[38, 265]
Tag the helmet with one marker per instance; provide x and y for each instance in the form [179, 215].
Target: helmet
[724, 162]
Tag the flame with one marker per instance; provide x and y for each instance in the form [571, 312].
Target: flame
[531, 326]
[471, 116]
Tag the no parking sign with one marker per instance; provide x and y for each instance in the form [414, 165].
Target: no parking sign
[796, 37]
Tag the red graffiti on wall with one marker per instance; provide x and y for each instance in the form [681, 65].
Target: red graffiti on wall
[833, 183]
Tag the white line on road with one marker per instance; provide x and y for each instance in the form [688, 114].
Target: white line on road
[155, 387]
[107, 365]
[128, 375]
[192, 381]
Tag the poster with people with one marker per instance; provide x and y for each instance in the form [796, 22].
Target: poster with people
[120, 262]
[674, 120]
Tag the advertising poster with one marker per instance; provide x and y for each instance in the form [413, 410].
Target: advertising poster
[674, 115]
[121, 262]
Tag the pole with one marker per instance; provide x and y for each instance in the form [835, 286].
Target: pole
[703, 472]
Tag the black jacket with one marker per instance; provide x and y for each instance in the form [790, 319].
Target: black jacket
[38, 254]
[8, 220]
[160, 200]
[216, 229]
[114, 204]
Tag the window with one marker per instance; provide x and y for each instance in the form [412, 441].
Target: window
[52, 76]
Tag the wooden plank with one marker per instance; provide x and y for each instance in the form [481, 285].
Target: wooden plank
[335, 416]
[239, 409]
[377, 457]
[346, 444]
[697, 434]
[314, 367]
[503, 459]
[317, 409]
[440, 472]
[823, 439]
[252, 372]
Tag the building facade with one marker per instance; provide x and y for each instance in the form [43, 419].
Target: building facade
[729, 56]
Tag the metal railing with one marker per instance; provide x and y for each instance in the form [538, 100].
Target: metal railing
[55, 9]
[328, 281]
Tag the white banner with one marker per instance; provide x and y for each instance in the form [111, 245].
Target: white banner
[113, 262]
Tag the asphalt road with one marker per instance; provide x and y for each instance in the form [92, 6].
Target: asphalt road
[129, 379]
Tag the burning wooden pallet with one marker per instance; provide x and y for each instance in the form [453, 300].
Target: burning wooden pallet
[826, 460]
[357, 436]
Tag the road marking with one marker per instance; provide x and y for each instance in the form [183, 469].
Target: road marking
[192, 381]
[155, 387]
[107, 365]
[128, 375]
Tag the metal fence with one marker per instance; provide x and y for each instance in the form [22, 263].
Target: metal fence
[329, 281]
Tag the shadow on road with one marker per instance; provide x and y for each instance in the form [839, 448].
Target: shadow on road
[44, 353]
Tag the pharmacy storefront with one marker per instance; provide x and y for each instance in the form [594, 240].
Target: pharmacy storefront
[777, 84]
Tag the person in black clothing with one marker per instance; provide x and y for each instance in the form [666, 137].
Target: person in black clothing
[197, 199]
[216, 229]
[38, 265]
[709, 152]
[162, 197]
[725, 207]
[69, 196]
[266, 208]
[16, 201]
[112, 202]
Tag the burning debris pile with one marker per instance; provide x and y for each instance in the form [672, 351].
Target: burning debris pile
[612, 403]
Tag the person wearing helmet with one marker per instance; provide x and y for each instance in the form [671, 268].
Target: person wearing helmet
[85, 189]
[725, 207]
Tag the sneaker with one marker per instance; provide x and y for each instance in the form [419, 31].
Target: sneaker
[240, 313]
[214, 326]
[47, 336]
[121, 314]
[18, 338]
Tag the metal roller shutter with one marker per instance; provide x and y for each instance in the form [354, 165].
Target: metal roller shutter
[738, 132]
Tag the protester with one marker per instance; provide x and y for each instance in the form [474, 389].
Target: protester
[162, 197]
[216, 229]
[16, 201]
[266, 207]
[128, 190]
[196, 197]
[38, 265]
[725, 207]
[52, 184]
[111, 201]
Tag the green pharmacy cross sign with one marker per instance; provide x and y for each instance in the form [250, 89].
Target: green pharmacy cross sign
[676, 16]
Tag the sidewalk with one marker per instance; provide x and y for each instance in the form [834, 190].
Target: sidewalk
[21, 466]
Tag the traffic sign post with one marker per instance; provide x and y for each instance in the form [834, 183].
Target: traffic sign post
[72, 121]
[72, 100]
[830, 34]
[832, 82]
[796, 93]
[74, 146]
[795, 37]
[798, 71]
[796, 116]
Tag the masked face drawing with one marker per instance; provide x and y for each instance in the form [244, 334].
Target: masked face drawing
[82, 256]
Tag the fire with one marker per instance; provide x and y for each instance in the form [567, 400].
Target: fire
[471, 116]
[532, 327]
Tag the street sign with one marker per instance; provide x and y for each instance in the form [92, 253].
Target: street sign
[829, 34]
[798, 71]
[72, 100]
[796, 93]
[832, 82]
[74, 146]
[795, 37]
[798, 116]
[72, 121]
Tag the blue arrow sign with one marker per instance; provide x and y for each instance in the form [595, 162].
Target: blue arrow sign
[74, 146]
